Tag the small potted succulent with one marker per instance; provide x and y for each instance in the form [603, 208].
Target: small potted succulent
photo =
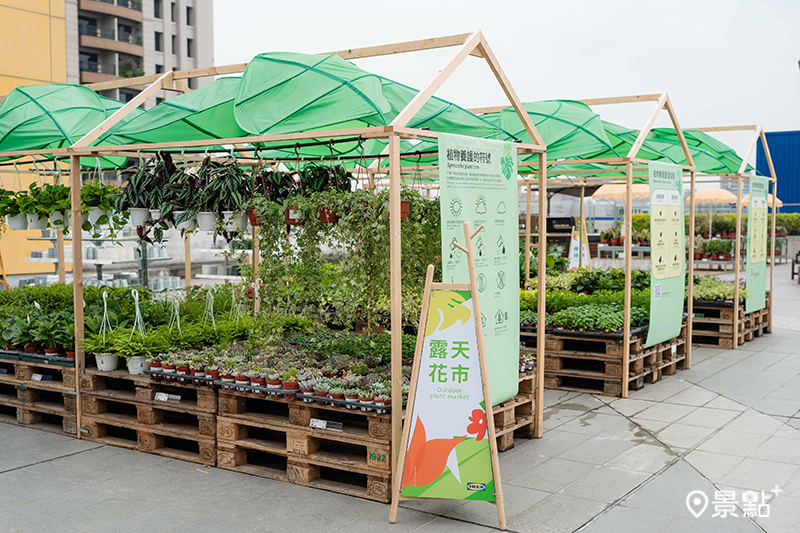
[321, 389]
[257, 379]
[212, 369]
[198, 369]
[241, 377]
[226, 376]
[289, 383]
[182, 367]
[366, 399]
[351, 395]
[155, 365]
[336, 393]
[382, 403]
[273, 383]
[307, 390]
[168, 366]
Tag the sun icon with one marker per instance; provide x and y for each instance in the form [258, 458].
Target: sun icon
[456, 207]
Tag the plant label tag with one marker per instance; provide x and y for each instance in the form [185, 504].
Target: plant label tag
[161, 397]
[674, 350]
[316, 423]
[173, 398]
[40, 377]
[3, 371]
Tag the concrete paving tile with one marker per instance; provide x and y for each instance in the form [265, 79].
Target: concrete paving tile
[630, 406]
[606, 484]
[779, 450]
[667, 493]
[783, 517]
[517, 501]
[443, 525]
[714, 466]
[552, 397]
[631, 432]
[650, 426]
[788, 432]
[584, 402]
[696, 396]
[692, 525]
[683, 436]
[792, 487]
[597, 450]
[555, 441]
[326, 514]
[732, 442]
[50, 507]
[558, 513]
[707, 417]
[626, 520]
[517, 461]
[745, 399]
[663, 412]
[755, 474]
[556, 416]
[113, 511]
[777, 406]
[211, 525]
[407, 520]
[787, 392]
[660, 391]
[553, 475]
[646, 458]
[721, 402]
[593, 423]
[754, 422]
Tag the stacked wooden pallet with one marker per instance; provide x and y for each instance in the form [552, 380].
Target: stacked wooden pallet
[173, 420]
[516, 417]
[345, 451]
[36, 394]
[593, 363]
[712, 324]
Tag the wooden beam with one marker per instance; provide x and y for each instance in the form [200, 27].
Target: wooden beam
[511, 94]
[124, 111]
[622, 99]
[690, 273]
[774, 179]
[541, 300]
[395, 296]
[489, 109]
[723, 128]
[77, 281]
[181, 86]
[419, 100]
[399, 48]
[750, 149]
[626, 335]
[681, 137]
[662, 100]
[176, 75]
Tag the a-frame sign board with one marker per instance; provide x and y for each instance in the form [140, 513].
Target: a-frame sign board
[449, 448]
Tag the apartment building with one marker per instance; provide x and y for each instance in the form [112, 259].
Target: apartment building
[107, 39]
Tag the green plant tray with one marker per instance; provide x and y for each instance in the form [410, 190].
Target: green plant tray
[9, 354]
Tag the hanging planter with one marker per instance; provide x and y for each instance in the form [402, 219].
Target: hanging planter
[186, 225]
[139, 216]
[294, 217]
[233, 221]
[328, 216]
[404, 205]
[17, 222]
[206, 221]
[253, 217]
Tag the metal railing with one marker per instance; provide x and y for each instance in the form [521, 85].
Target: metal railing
[135, 5]
[105, 33]
[130, 38]
[98, 67]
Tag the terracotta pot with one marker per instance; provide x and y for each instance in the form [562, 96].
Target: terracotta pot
[404, 205]
[614, 242]
[213, 374]
[328, 216]
[290, 385]
[182, 370]
[259, 382]
[30, 349]
[294, 217]
[698, 256]
[604, 241]
[254, 220]
[51, 351]
[167, 367]
[705, 256]
[71, 355]
[156, 367]
[198, 371]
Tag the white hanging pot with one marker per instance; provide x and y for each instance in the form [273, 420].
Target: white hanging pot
[136, 365]
[36, 222]
[17, 222]
[106, 362]
[155, 214]
[139, 215]
[234, 222]
[188, 225]
[60, 219]
[206, 221]
[95, 213]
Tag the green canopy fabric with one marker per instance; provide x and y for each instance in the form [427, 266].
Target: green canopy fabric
[570, 129]
[206, 113]
[727, 157]
[42, 117]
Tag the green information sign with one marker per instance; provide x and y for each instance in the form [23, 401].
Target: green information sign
[667, 255]
[478, 183]
[756, 273]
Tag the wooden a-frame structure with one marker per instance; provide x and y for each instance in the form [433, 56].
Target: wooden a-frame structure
[468, 44]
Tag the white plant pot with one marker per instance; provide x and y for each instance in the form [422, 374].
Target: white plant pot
[234, 222]
[34, 222]
[136, 365]
[155, 214]
[95, 213]
[106, 362]
[189, 225]
[60, 219]
[84, 218]
[206, 221]
[17, 222]
[139, 215]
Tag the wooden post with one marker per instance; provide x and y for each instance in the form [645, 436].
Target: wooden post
[690, 284]
[395, 296]
[397, 476]
[541, 305]
[626, 336]
[527, 235]
[737, 259]
[255, 263]
[62, 266]
[187, 257]
[581, 235]
[77, 280]
[487, 397]
[774, 179]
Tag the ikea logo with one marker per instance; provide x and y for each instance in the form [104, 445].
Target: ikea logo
[480, 487]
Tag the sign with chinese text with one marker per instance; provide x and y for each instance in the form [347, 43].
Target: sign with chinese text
[448, 453]
[667, 252]
[478, 183]
[576, 250]
[756, 274]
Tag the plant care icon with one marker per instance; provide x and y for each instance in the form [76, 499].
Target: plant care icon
[697, 502]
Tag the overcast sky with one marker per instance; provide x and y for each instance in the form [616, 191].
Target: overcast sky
[722, 62]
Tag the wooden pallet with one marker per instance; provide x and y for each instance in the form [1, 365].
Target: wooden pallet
[48, 405]
[516, 417]
[714, 327]
[120, 409]
[594, 365]
[273, 437]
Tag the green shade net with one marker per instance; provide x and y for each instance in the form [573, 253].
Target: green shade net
[729, 161]
[569, 129]
[206, 113]
[49, 117]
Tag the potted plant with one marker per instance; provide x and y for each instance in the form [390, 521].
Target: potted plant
[257, 380]
[46, 334]
[168, 366]
[351, 395]
[20, 332]
[321, 388]
[366, 399]
[142, 191]
[307, 389]
[273, 382]
[382, 403]
[241, 377]
[155, 364]
[325, 183]
[103, 349]
[289, 383]
[225, 191]
[10, 209]
[99, 199]
[269, 186]
[182, 366]
[336, 393]
[605, 236]
[226, 375]
[66, 337]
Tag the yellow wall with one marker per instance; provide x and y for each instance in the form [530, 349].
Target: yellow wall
[34, 50]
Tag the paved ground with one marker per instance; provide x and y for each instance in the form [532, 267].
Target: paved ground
[604, 465]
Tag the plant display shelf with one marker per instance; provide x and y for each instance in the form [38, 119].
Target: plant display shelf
[219, 277]
[273, 437]
[48, 405]
[121, 409]
[712, 324]
[592, 362]
[516, 417]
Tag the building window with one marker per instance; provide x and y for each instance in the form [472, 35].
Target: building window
[189, 47]
[159, 69]
[174, 12]
[191, 83]
[159, 41]
[174, 45]
[189, 16]
[157, 9]
[159, 100]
